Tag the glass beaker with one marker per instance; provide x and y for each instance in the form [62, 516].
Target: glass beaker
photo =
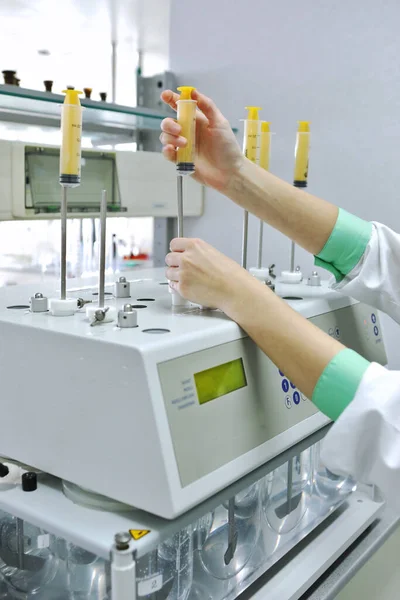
[231, 536]
[88, 575]
[27, 562]
[328, 485]
[167, 573]
[286, 493]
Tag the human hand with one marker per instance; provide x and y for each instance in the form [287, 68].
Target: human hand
[218, 154]
[201, 274]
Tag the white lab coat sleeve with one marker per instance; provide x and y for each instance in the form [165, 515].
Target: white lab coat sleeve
[375, 280]
[365, 439]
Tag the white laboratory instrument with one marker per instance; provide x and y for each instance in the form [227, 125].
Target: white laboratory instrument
[138, 184]
[164, 414]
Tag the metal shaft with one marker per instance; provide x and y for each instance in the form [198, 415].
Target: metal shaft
[260, 244]
[180, 206]
[20, 543]
[113, 71]
[102, 266]
[293, 248]
[289, 490]
[292, 256]
[245, 238]
[232, 532]
[63, 243]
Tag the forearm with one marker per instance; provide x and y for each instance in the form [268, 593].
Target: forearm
[303, 217]
[296, 346]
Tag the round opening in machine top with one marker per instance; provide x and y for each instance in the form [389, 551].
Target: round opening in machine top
[155, 330]
[292, 298]
[146, 299]
[105, 293]
[18, 306]
[139, 306]
[164, 283]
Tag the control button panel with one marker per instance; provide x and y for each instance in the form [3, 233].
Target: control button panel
[292, 396]
[357, 327]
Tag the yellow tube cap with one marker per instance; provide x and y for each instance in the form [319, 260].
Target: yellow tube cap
[186, 92]
[265, 126]
[72, 97]
[303, 127]
[253, 112]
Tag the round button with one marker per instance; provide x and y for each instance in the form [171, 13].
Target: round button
[296, 398]
[337, 332]
[281, 374]
[331, 332]
[288, 402]
[376, 330]
[292, 386]
[373, 318]
[285, 385]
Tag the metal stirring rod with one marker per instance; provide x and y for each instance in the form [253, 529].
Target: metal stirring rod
[292, 255]
[102, 268]
[244, 238]
[20, 542]
[63, 243]
[260, 244]
[232, 532]
[180, 206]
[289, 490]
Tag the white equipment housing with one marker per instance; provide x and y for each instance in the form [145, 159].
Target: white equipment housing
[138, 184]
[164, 415]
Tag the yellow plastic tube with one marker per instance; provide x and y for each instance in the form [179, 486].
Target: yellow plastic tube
[251, 133]
[186, 117]
[265, 145]
[301, 154]
[71, 141]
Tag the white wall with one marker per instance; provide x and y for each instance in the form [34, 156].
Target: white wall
[332, 62]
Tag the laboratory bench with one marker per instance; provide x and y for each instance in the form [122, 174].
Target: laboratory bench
[308, 557]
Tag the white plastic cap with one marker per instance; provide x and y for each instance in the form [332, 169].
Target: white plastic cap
[177, 299]
[290, 277]
[110, 316]
[62, 308]
[260, 274]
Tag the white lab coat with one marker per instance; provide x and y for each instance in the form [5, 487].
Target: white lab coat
[365, 440]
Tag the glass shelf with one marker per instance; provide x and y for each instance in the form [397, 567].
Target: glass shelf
[33, 107]
[42, 109]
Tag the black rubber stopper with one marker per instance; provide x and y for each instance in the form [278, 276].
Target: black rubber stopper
[4, 471]
[103, 96]
[70, 179]
[300, 184]
[87, 92]
[9, 77]
[48, 85]
[29, 482]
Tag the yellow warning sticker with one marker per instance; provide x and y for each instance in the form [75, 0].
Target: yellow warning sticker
[137, 534]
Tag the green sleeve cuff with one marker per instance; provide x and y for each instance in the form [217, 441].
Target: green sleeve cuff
[345, 246]
[339, 382]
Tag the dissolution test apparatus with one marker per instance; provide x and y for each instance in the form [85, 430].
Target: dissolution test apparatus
[170, 440]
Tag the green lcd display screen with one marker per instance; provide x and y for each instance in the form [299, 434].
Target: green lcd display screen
[218, 381]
